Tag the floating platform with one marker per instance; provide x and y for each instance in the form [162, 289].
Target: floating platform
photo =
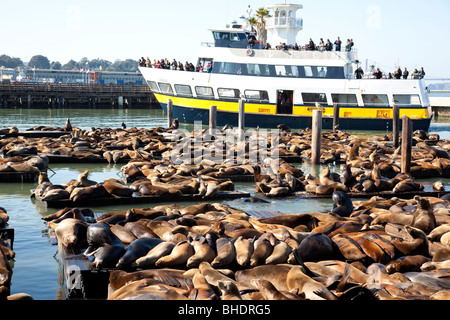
[382, 194]
[20, 177]
[111, 201]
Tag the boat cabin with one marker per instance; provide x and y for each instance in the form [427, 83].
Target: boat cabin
[235, 37]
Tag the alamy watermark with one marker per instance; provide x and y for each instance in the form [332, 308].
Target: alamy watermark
[229, 146]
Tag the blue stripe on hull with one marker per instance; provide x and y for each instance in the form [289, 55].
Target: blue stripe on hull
[189, 115]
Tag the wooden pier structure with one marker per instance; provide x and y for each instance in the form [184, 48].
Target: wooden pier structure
[75, 95]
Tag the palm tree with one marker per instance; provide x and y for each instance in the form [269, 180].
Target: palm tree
[261, 15]
[252, 22]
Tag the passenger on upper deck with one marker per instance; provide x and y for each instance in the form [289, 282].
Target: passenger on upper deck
[209, 67]
[251, 40]
[311, 45]
[421, 73]
[415, 74]
[405, 74]
[329, 46]
[378, 74]
[349, 45]
[321, 45]
[359, 73]
[267, 46]
[338, 44]
[398, 73]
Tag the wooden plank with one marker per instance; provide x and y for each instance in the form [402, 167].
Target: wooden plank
[263, 213]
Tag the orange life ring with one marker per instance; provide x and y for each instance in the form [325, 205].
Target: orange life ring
[249, 52]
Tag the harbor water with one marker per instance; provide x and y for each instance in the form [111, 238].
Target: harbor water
[35, 268]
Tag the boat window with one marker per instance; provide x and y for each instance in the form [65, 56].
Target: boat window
[407, 100]
[153, 86]
[183, 90]
[204, 91]
[258, 69]
[228, 68]
[375, 100]
[256, 95]
[235, 37]
[310, 99]
[229, 93]
[345, 100]
[280, 71]
[165, 87]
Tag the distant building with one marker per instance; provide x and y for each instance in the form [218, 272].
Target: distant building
[77, 76]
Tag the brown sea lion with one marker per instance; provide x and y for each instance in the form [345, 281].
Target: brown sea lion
[418, 246]
[296, 279]
[118, 189]
[316, 247]
[160, 250]
[88, 193]
[406, 264]
[280, 253]
[439, 186]
[172, 277]
[137, 249]
[202, 289]
[269, 292]
[213, 276]
[292, 220]
[423, 218]
[124, 235]
[276, 274]
[84, 181]
[229, 290]
[72, 233]
[226, 253]
[179, 255]
[244, 250]
[202, 252]
[262, 249]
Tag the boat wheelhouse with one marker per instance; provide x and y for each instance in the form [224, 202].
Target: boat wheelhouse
[284, 86]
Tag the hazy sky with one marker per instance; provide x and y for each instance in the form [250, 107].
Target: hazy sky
[410, 33]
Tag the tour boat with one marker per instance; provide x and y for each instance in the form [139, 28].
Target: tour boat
[284, 86]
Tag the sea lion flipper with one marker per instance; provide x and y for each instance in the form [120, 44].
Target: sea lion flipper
[326, 294]
[299, 259]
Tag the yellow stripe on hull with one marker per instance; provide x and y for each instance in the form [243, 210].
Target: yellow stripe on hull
[344, 112]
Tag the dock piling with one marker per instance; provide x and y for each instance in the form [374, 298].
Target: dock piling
[395, 125]
[241, 122]
[406, 144]
[316, 136]
[335, 117]
[169, 113]
[212, 118]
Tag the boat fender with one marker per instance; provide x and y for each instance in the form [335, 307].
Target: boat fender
[249, 52]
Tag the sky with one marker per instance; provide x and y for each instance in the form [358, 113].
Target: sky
[408, 33]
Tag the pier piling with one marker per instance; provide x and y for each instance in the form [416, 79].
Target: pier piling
[335, 117]
[241, 123]
[212, 118]
[406, 144]
[395, 125]
[169, 113]
[316, 136]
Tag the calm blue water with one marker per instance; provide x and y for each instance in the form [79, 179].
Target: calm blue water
[36, 269]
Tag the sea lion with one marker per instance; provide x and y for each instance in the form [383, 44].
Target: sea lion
[316, 247]
[244, 250]
[138, 248]
[269, 292]
[68, 126]
[124, 235]
[342, 204]
[292, 220]
[439, 186]
[226, 253]
[406, 264]
[423, 218]
[262, 249]
[104, 245]
[229, 290]
[296, 279]
[172, 277]
[179, 255]
[84, 181]
[276, 274]
[436, 233]
[118, 189]
[280, 253]
[418, 246]
[213, 276]
[203, 252]
[72, 233]
[162, 249]
[88, 193]
[202, 289]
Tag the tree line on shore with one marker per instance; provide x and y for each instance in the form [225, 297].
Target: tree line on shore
[42, 62]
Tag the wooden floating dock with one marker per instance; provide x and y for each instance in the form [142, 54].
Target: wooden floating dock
[82, 281]
[19, 177]
[226, 195]
[382, 194]
[35, 134]
[57, 158]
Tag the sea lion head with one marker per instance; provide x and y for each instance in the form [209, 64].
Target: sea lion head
[423, 203]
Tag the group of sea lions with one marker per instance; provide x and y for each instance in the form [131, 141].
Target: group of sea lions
[363, 250]
[6, 270]
[84, 189]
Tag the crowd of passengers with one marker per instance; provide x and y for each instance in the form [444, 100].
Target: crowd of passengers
[174, 65]
[397, 74]
[311, 46]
